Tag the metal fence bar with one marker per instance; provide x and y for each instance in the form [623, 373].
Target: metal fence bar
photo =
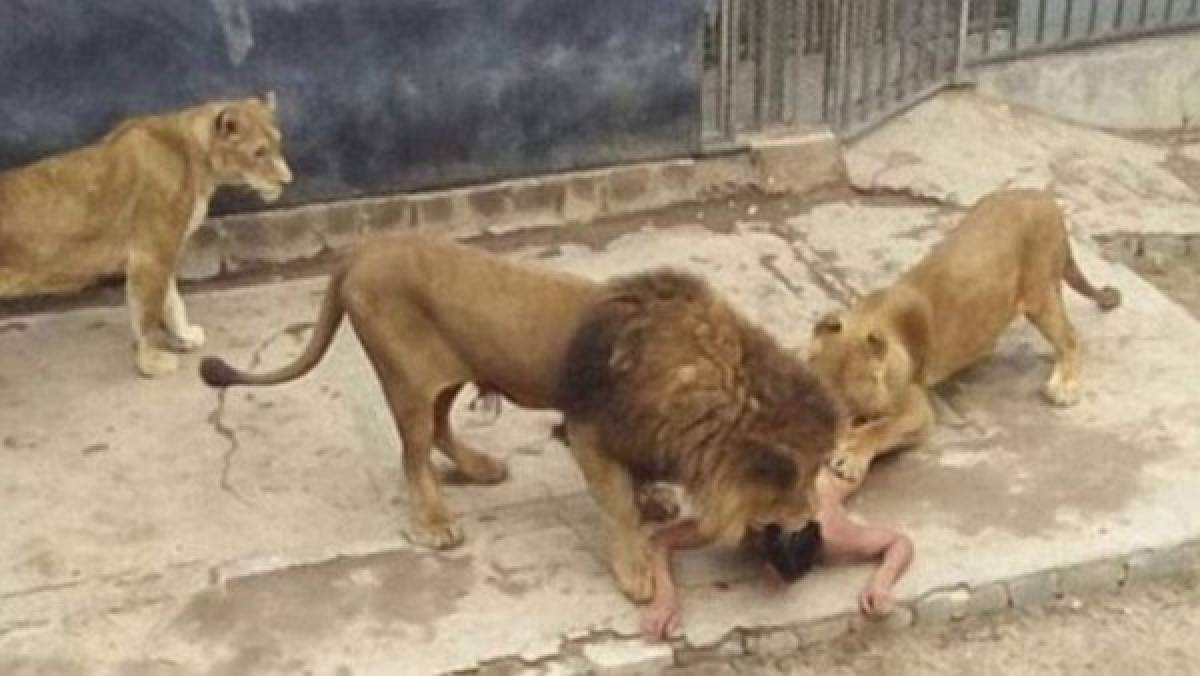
[773, 61]
[833, 50]
[1015, 29]
[846, 66]
[1093, 14]
[726, 81]
[870, 23]
[960, 40]
[1119, 16]
[854, 26]
[989, 17]
[1195, 8]
[1041, 21]
[1142, 13]
[887, 19]
[798, 49]
[1067, 16]
[903, 38]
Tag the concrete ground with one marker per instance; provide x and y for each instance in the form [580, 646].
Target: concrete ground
[159, 527]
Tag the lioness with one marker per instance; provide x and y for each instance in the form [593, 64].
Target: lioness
[433, 315]
[1009, 256]
[125, 205]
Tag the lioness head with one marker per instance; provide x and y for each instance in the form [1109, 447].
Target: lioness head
[247, 147]
[863, 363]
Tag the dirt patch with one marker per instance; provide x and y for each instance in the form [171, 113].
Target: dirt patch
[253, 616]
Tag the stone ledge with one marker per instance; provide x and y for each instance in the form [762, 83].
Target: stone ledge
[610, 654]
[243, 242]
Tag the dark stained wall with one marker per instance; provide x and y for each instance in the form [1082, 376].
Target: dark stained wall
[376, 96]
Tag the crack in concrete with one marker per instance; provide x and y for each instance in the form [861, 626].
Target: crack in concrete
[5, 596]
[828, 279]
[217, 420]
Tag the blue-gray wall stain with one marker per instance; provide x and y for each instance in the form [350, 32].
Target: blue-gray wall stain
[376, 96]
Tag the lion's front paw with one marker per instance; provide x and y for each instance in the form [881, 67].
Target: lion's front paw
[849, 466]
[153, 362]
[1061, 392]
[435, 533]
[190, 338]
[634, 571]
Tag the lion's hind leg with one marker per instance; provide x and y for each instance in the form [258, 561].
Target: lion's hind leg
[612, 486]
[475, 466]
[411, 384]
[1045, 309]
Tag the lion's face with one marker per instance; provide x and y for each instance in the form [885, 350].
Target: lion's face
[863, 365]
[247, 147]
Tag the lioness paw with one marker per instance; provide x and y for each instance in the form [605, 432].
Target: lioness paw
[1061, 392]
[848, 466]
[190, 338]
[153, 363]
[437, 535]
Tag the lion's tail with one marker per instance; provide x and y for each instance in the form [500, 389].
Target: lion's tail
[217, 372]
[1107, 298]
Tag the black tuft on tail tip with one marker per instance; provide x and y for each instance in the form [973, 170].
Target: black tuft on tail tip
[215, 372]
[1108, 298]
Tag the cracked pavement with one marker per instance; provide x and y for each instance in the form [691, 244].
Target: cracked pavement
[159, 527]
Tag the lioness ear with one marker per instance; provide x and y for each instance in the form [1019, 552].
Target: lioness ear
[269, 99]
[830, 323]
[226, 124]
[770, 466]
[876, 343]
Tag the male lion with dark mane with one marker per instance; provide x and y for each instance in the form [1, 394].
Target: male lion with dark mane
[658, 378]
[665, 381]
[1008, 257]
[125, 205]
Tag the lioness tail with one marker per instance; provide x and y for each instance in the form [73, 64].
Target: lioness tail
[217, 372]
[1107, 298]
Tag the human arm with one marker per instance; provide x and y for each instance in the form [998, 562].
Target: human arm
[662, 616]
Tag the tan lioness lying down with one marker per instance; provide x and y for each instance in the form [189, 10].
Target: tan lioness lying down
[1008, 257]
[124, 206]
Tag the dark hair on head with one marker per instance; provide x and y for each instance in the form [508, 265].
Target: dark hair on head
[792, 553]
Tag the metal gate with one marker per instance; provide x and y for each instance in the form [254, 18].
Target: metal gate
[779, 65]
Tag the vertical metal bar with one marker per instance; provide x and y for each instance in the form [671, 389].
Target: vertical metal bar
[1067, 16]
[904, 38]
[832, 29]
[935, 42]
[1014, 27]
[757, 48]
[870, 18]
[1142, 13]
[1194, 8]
[727, 80]
[1041, 21]
[800, 47]
[1092, 13]
[989, 16]
[887, 19]
[960, 48]
[1119, 16]
[847, 96]
[773, 42]
[1168, 11]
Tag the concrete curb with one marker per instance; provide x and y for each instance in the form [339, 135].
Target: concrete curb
[244, 242]
[608, 653]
